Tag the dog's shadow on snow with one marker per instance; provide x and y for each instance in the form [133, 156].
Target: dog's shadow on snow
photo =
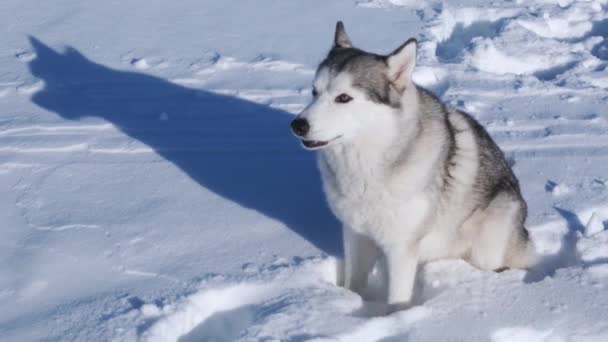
[240, 150]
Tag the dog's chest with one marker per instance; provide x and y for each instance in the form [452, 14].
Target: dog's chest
[368, 201]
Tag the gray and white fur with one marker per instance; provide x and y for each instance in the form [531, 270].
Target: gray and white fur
[411, 179]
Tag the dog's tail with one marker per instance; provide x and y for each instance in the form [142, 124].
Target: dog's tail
[528, 258]
[524, 255]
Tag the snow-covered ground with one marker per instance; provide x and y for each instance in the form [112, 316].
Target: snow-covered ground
[151, 189]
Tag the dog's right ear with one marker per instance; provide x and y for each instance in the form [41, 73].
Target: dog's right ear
[341, 39]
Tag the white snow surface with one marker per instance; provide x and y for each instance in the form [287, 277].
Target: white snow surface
[151, 190]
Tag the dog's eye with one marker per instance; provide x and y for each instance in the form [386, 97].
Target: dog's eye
[314, 92]
[343, 98]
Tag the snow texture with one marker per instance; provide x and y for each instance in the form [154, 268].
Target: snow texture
[153, 192]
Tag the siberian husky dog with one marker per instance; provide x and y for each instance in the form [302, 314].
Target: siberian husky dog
[411, 179]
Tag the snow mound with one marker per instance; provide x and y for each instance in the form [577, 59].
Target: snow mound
[488, 58]
[495, 39]
[298, 299]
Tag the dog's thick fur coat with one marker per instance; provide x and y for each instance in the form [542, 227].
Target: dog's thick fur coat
[410, 179]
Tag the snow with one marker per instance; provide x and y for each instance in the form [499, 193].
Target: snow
[594, 225]
[152, 190]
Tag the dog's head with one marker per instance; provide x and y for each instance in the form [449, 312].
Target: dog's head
[354, 90]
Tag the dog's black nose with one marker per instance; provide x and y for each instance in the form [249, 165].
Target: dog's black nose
[300, 127]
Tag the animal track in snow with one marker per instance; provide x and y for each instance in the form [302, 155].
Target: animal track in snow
[387, 3]
[290, 100]
[59, 228]
[197, 308]
[482, 38]
[215, 66]
[552, 135]
[147, 63]
[453, 48]
[43, 130]
[557, 189]
[229, 308]
[30, 88]
[262, 63]
[25, 56]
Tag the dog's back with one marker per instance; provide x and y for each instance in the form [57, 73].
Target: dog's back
[478, 192]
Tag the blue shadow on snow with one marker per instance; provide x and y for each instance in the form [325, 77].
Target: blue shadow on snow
[240, 150]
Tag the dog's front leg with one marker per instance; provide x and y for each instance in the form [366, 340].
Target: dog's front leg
[402, 262]
[360, 256]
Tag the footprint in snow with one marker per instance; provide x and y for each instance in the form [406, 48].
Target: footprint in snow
[147, 63]
[25, 56]
[205, 314]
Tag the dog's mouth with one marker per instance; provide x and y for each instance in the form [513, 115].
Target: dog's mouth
[314, 143]
[317, 144]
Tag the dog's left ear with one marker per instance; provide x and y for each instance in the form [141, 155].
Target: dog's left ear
[341, 39]
[401, 64]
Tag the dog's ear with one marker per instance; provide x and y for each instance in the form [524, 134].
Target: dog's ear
[401, 64]
[341, 39]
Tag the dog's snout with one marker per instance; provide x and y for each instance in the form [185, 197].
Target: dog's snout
[300, 127]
